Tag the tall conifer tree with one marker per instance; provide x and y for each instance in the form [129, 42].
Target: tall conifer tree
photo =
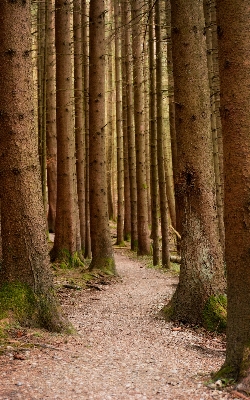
[102, 252]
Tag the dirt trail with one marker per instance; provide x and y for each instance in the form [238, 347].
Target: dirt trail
[121, 350]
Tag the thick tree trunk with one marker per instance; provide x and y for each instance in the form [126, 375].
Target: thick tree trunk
[202, 271]
[51, 116]
[25, 249]
[234, 55]
[102, 252]
[65, 228]
[142, 207]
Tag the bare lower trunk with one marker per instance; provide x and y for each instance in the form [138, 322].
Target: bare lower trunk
[202, 271]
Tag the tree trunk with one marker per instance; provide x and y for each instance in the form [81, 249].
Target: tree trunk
[65, 228]
[41, 78]
[202, 272]
[160, 153]
[79, 122]
[120, 172]
[142, 207]
[234, 53]
[85, 49]
[25, 249]
[130, 131]
[102, 252]
[213, 74]
[109, 106]
[153, 140]
[51, 116]
[127, 204]
[171, 105]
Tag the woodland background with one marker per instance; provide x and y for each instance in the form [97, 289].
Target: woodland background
[135, 111]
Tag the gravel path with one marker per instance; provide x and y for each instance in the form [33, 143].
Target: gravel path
[121, 350]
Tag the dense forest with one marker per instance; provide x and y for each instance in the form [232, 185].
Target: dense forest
[137, 112]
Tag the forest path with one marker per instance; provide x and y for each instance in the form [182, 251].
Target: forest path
[121, 350]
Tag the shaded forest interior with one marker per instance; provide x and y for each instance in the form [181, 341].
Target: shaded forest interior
[128, 112]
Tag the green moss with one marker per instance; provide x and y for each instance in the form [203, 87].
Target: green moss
[19, 303]
[19, 300]
[127, 237]
[226, 374]
[68, 260]
[87, 276]
[175, 268]
[167, 312]
[103, 265]
[215, 313]
[65, 260]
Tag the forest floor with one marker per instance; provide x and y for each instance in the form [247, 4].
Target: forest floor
[121, 349]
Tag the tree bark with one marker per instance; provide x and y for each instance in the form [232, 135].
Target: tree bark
[23, 228]
[127, 204]
[51, 116]
[65, 228]
[202, 272]
[142, 207]
[153, 140]
[79, 118]
[171, 105]
[213, 74]
[85, 48]
[120, 171]
[160, 147]
[234, 55]
[109, 111]
[41, 78]
[130, 131]
[102, 252]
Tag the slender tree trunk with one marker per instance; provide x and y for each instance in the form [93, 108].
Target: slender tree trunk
[41, 77]
[85, 48]
[79, 122]
[65, 228]
[213, 74]
[120, 171]
[153, 140]
[234, 54]
[202, 272]
[25, 249]
[102, 252]
[142, 207]
[130, 131]
[160, 153]
[146, 123]
[127, 204]
[51, 116]
[171, 105]
[109, 106]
